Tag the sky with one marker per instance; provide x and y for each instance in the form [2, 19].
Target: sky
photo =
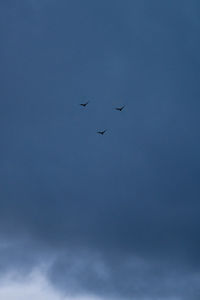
[85, 216]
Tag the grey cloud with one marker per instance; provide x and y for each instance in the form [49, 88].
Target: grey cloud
[117, 216]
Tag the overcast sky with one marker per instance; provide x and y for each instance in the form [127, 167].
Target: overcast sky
[83, 215]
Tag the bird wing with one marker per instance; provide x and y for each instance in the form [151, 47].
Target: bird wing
[84, 104]
[120, 108]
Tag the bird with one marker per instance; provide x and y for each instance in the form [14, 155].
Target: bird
[120, 108]
[102, 132]
[84, 104]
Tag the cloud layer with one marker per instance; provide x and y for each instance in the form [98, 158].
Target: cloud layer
[116, 216]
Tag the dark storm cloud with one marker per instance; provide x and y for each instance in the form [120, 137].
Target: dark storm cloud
[119, 214]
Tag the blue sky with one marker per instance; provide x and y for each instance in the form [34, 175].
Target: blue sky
[114, 215]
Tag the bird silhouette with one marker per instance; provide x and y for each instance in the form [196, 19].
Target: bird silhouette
[84, 104]
[120, 108]
[102, 132]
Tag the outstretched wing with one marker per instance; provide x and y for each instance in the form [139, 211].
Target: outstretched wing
[84, 104]
[120, 108]
[102, 132]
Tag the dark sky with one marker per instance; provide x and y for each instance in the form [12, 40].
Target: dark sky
[114, 215]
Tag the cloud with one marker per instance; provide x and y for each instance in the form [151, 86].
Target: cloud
[79, 272]
[116, 217]
[35, 286]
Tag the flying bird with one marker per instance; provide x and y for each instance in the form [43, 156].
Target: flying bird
[120, 108]
[84, 104]
[102, 132]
